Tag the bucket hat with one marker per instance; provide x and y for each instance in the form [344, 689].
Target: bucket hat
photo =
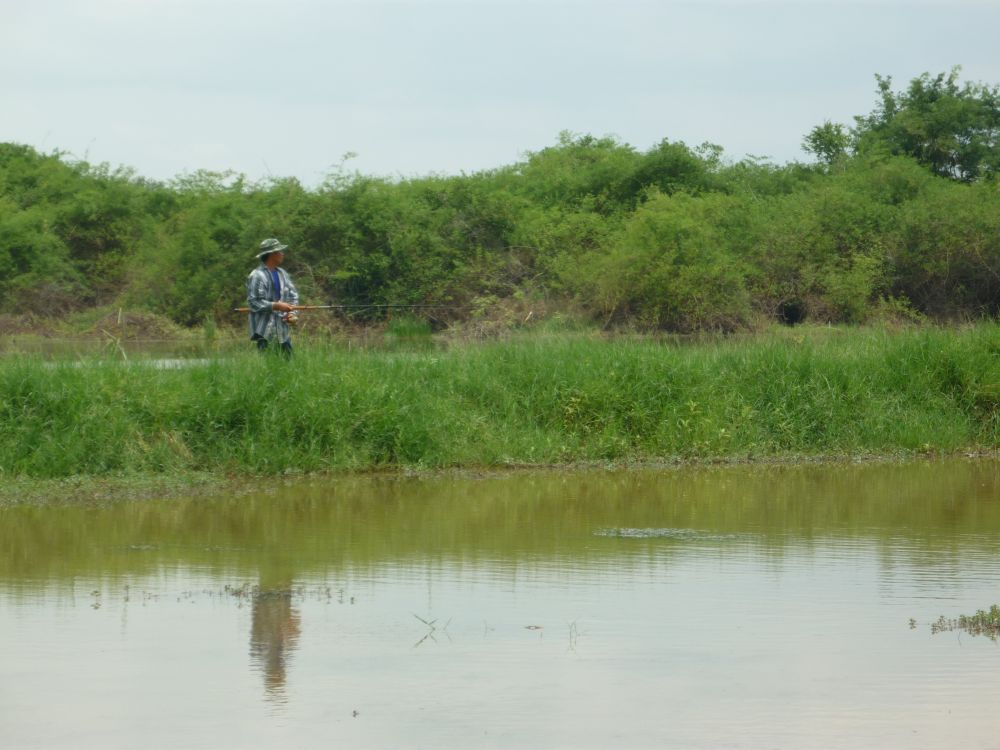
[269, 246]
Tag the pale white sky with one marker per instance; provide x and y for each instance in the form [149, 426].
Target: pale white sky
[286, 87]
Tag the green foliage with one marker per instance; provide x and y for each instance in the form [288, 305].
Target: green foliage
[952, 129]
[828, 142]
[946, 257]
[673, 267]
[984, 622]
[409, 331]
[196, 268]
[539, 401]
[902, 213]
[69, 230]
[580, 168]
[47, 280]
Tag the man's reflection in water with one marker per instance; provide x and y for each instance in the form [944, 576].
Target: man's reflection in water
[274, 632]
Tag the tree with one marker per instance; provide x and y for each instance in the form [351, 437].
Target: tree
[827, 142]
[953, 129]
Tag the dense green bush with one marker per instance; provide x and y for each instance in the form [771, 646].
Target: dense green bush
[673, 266]
[900, 213]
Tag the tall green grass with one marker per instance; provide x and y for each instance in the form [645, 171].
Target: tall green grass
[545, 401]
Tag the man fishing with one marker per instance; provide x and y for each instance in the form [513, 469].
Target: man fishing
[272, 298]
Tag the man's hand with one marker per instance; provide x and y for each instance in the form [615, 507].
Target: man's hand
[282, 307]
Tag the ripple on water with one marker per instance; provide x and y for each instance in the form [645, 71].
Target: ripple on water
[667, 533]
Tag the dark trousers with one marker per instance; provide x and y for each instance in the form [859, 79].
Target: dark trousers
[262, 344]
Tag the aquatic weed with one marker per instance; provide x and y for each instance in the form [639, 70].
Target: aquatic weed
[984, 622]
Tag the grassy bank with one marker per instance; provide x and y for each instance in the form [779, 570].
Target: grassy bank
[542, 401]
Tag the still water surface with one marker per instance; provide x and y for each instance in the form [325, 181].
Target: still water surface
[737, 607]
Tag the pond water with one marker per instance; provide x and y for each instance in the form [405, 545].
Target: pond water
[734, 607]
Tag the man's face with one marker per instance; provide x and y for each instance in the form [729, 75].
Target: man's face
[275, 259]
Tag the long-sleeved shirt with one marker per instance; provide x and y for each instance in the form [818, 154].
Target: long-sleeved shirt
[264, 321]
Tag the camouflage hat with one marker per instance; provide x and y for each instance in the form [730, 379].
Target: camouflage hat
[269, 246]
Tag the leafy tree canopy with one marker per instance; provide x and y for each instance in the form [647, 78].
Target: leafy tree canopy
[828, 142]
[953, 129]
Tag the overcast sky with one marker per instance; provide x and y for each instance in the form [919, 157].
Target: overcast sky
[287, 87]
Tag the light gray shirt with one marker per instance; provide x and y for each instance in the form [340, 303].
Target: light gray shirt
[264, 321]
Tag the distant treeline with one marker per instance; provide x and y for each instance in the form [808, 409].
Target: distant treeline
[898, 216]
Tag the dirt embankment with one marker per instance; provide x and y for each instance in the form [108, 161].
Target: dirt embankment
[25, 325]
[130, 326]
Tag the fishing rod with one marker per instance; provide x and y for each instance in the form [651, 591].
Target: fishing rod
[357, 307]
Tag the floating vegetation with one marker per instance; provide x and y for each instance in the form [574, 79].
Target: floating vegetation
[255, 593]
[654, 533]
[984, 622]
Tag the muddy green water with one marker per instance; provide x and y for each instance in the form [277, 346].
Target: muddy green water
[737, 607]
